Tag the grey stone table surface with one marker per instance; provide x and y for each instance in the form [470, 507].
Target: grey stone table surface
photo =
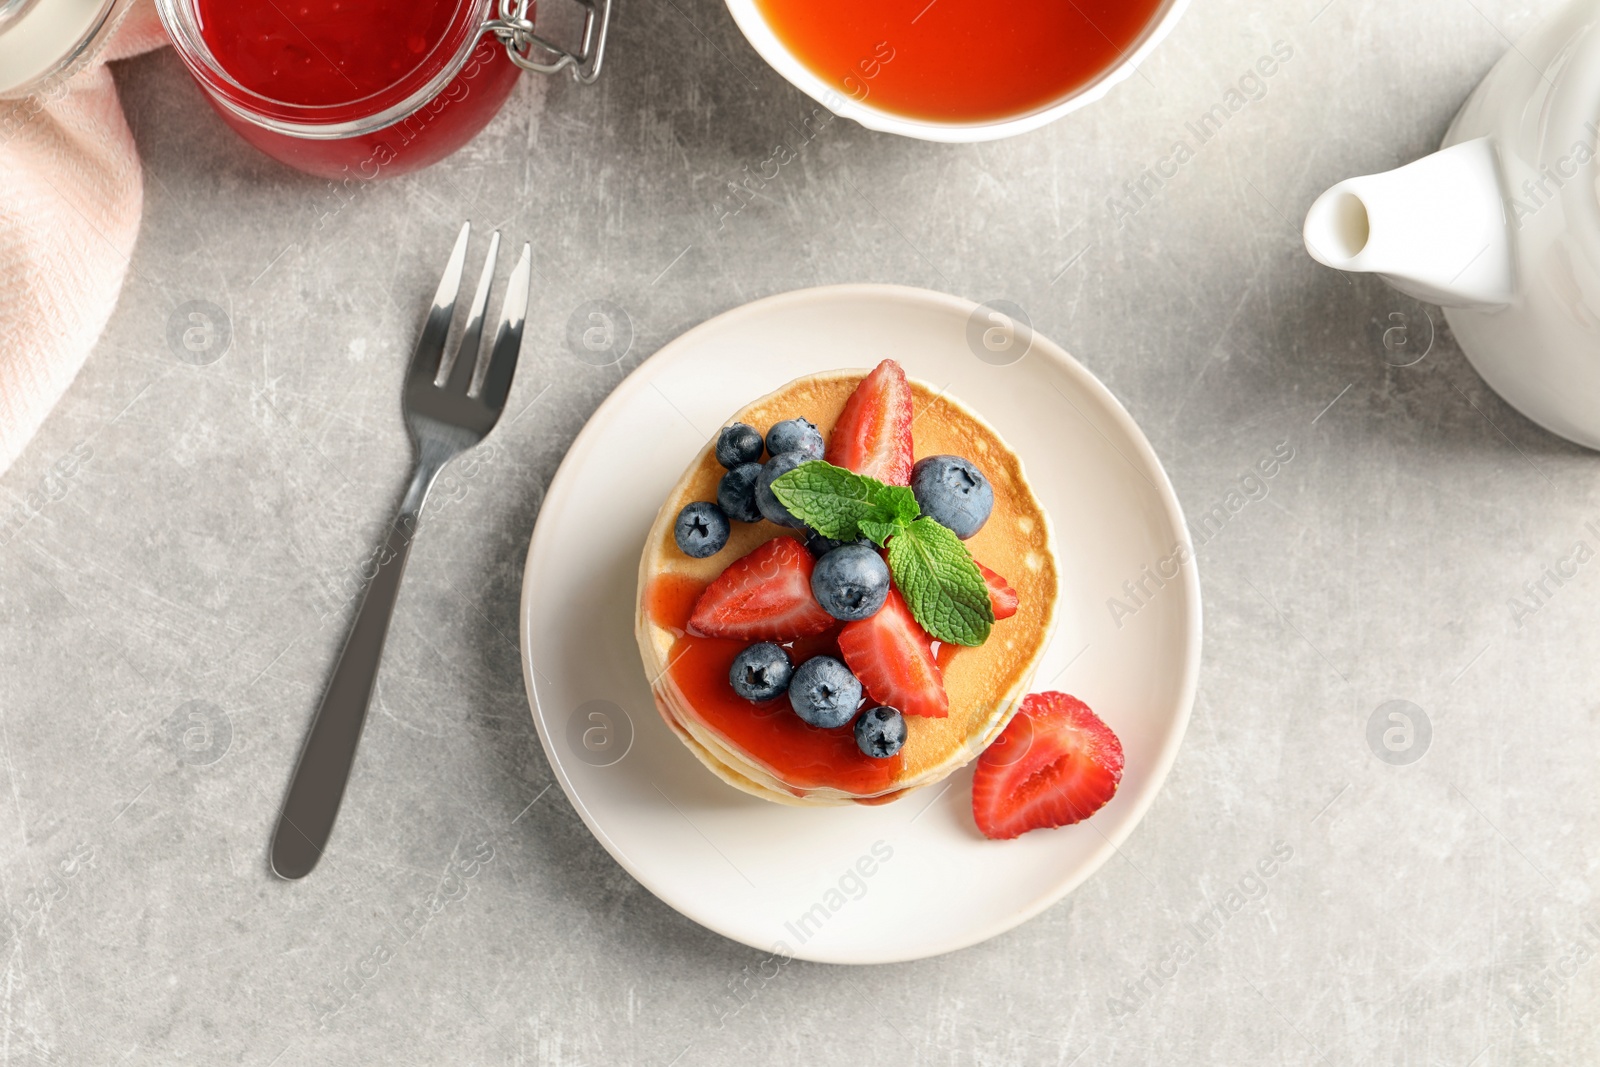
[177, 587]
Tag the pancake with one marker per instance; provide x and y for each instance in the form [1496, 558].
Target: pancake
[985, 684]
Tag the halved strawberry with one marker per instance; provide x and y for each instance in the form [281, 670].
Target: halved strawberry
[766, 596]
[893, 657]
[1002, 598]
[873, 434]
[1055, 764]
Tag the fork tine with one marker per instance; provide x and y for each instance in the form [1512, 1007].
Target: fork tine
[508, 336]
[430, 345]
[466, 358]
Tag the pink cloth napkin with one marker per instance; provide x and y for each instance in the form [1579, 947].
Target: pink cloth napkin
[70, 200]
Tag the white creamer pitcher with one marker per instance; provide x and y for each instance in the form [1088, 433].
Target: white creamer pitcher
[1501, 226]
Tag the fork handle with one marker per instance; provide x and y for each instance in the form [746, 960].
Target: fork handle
[308, 813]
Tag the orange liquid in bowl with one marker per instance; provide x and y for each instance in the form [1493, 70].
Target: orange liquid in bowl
[959, 60]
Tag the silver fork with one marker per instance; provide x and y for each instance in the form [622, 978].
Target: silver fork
[448, 409]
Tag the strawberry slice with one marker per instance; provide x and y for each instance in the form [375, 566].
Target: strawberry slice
[893, 657]
[1002, 598]
[873, 434]
[766, 596]
[1055, 764]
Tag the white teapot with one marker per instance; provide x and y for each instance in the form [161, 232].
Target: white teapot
[1501, 226]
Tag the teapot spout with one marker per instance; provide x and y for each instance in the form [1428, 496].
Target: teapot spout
[1435, 229]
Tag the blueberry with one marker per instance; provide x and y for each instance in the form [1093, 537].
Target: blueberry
[736, 493]
[738, 444]
[776, 467]
[794, 435]
[953, 493]
[851, 582]
[820, 546]
[702, 529]
[880, 732]
[761, 672]
[824, 693]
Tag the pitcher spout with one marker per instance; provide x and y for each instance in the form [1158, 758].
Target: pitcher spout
[1435, 229]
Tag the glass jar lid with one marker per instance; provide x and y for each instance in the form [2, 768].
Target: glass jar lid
[43, 42]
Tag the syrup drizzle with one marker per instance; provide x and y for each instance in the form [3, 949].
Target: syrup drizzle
[769, 734]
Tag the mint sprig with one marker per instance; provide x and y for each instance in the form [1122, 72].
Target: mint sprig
[942, 585]
[931, 566]
[836, 502]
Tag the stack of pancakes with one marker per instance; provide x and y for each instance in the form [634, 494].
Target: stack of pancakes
[985, 684]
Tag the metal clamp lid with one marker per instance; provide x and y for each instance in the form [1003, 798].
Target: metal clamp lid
[530, 51]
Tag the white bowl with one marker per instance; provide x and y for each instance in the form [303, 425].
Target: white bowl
[778, 56]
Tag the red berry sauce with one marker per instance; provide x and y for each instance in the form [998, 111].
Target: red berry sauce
[770, 733]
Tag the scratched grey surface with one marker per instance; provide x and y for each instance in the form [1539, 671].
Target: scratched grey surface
[177, 547]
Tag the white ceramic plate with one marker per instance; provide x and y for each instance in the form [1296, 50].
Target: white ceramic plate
[858, 884]
[747, 14]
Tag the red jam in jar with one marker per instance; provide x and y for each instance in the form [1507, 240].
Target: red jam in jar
[347, 88]
[322, 51]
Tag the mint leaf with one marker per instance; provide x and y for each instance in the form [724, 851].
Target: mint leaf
[843, 505]
[879, 532]
[899, 500]
[942, 585]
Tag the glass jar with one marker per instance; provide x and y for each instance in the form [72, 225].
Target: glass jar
[440, 97]
[45, 42]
